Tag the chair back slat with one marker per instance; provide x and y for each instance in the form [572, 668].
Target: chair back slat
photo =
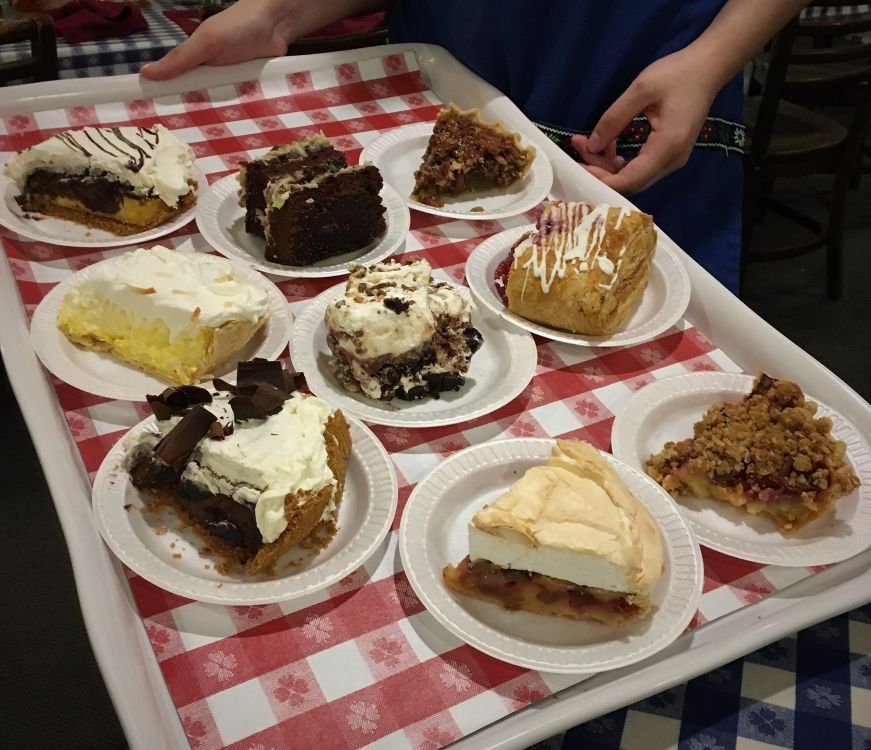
[772, 91]
[41, 64]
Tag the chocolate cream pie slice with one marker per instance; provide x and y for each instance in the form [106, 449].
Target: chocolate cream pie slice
[255, 469]
[768, 455]
[124, 180]
[465, 154]
[567, 539]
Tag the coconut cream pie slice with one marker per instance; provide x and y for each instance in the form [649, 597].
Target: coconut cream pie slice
[175, 315]
[123, 179]
[583, 269]
[567, 539]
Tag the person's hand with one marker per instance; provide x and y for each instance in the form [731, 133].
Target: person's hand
[245, 31]
[675, 95]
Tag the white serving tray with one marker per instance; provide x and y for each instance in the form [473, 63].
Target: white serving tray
[120, 644]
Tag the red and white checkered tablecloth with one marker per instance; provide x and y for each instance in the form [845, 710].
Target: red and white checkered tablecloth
[361, 664]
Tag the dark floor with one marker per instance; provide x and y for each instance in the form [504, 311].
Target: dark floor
[52, 694]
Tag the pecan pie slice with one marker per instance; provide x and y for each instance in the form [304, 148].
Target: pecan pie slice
[465, 154]
[769, 454]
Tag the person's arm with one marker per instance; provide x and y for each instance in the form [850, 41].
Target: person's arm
[676, 92]
[250, 29]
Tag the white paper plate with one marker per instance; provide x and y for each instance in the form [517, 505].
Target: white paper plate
[398, 152]
[434, 533]
[63, 232]
[663, 303]
[499, 372]
[221, 220]
[102, 374]
[667, 410]
[172, 561]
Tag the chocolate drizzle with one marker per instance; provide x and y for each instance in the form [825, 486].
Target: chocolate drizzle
[72, 143]
[151, 133]
[113, 147]
[137, 161]
[111, 151]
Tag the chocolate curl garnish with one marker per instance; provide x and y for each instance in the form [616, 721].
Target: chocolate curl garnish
[262, 386]
[176, 447]
[174, 402]
[261, 370]
[264, 402]
[218, 431]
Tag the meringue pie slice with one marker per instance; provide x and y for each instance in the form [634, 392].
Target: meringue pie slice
[567, 539]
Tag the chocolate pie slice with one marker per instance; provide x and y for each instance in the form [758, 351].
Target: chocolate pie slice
[465, 154]
[254, 469]
[123, 180]
[769, 455]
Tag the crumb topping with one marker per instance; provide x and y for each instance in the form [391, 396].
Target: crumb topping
[770, 440]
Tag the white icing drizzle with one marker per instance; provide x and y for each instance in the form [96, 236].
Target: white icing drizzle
[567, 233]
[623, 212]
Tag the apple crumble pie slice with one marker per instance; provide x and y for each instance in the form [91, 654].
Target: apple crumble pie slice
[769, 454]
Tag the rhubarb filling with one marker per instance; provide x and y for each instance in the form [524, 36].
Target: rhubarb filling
[541, 594]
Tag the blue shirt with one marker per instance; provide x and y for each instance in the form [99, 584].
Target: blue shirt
[564, 62]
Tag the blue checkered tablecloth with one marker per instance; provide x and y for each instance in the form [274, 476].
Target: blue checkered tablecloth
[110, 57]
[811, 691]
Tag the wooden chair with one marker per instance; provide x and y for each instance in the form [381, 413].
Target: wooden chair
[41, 64]
[789, 140]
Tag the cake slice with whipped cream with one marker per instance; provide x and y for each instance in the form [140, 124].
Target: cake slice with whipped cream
[175, 315]
[567, 539]
[255, 469]
[122, 179]
[397, 332]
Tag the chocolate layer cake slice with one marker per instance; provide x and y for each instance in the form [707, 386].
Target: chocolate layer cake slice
[465, 154]
[397, 332]
[303, 159]
[308, 204]
[332, 214]
[124, 180]
[255, 469]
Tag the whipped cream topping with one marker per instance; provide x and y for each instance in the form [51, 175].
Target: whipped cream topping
[571, 519]
[151, 160]
[569, 234]
[367, 312]
[185, 290]
[263, 460]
